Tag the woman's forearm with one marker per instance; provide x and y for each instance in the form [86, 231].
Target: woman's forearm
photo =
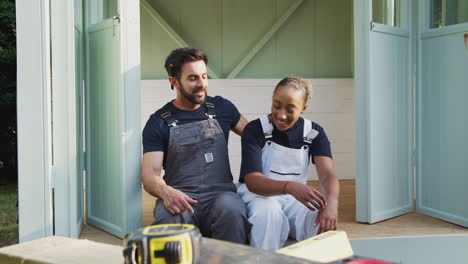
[258, 184]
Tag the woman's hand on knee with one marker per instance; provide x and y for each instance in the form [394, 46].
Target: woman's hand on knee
[307, 195]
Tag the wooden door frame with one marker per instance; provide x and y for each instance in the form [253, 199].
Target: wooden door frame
[35, 209]
[47, 160]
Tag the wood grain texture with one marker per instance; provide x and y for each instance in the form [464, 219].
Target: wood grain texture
[412, 224]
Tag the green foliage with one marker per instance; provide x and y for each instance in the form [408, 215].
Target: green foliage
[7, 52]
[8, 215]
[8, 156]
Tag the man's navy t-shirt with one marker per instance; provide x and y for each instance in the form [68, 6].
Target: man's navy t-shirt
[156, 131]
[253, 141]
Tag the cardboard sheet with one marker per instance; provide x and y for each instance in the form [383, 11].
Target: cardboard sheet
[323, 248]
[61, 250]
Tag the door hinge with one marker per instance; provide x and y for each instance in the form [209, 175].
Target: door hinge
[115, 23]
[413, 157]
[116, 18]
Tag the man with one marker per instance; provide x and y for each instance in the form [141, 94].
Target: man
[188, 138]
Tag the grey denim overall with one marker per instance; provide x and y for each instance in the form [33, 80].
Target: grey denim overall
[198, 164]
[197, 157]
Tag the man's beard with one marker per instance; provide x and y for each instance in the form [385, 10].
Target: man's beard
[191, 97]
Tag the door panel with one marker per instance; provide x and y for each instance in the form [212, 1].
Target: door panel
[384, 182]
[77, 222]
[443, 125]
[390, 139]
[105, 206]
[113, 186]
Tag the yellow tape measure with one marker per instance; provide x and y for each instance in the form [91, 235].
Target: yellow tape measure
[163, 244]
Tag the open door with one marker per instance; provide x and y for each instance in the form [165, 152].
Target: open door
[113, 188]
[442, 111]
[383, 85]
[77, 216]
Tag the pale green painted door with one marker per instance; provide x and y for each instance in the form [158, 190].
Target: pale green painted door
[442, 175]
[113, 189]
[77, 217]
[383, 97]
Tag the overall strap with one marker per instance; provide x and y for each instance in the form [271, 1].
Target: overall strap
[210, 110]
[267, 127]
[309, 132]
[167, 116]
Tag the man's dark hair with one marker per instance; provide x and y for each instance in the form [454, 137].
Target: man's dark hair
[179, 57]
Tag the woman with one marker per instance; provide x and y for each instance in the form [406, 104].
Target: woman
[275, 157]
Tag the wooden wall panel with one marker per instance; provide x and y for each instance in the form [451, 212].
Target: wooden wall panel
[243, 26]
[333, 39]
[315, 40]
[201, 26]
[154, 50]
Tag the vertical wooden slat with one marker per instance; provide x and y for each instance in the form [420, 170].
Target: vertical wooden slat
[264, 39]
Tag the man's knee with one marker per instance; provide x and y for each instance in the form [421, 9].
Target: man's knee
[230, 205]
[229, 218]
[163, 216]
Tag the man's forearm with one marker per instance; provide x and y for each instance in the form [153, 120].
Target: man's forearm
[154, 185]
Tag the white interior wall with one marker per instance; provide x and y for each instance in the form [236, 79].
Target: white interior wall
[332, 107]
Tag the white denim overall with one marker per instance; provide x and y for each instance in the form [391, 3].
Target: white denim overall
[274, 218]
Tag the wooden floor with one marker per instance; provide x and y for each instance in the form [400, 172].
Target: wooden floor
[412, 224]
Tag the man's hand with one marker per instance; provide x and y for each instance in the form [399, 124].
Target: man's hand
[176, 201]
[327, 218]
[307, 195]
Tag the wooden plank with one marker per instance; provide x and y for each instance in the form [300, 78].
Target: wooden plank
[268, 35]
[296, 43]
[170, 31]
[333, 39]
[209, 15]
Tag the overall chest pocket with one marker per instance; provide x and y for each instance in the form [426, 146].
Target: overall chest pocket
[194, 138]
[287, 164]
[195, 145]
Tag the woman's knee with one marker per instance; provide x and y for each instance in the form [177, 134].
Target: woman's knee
[265, 209]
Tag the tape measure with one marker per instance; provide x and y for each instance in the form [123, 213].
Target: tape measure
[163, 244]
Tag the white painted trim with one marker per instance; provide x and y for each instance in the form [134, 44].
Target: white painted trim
[412, 53]
[33, 108]
[447, 30]
[422, 26]
[130, 54]
[390, 30]
[64, 117]
[86, 99]
[362, 20]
